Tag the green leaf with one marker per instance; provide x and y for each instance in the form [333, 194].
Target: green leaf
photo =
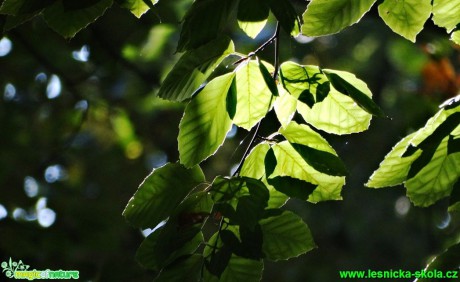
[436, 179]
[344, 83]
[306, 83]
[160, 193]
[285, 236]
[254, 97]
[204, 22]
[324, 17]
[68, 22]
[424, 161]
[290, 163]
[193, 68]
[292, 187]
[337, 114]
[137, 7]
[167, 244]
[23, 7]
[314, 149]
[206, 122]
[242, 269]
[285, 107]
[254, 167]
[187, 269]
[252, 16]
[286, 15]
[394, 168]
[455, 37]
[446, 13]
[449, 260]
[405, 17]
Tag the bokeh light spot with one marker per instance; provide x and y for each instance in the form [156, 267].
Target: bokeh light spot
[5, 46]
[53, 90]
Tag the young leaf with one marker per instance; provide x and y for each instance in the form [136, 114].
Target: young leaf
[160, 193]
[68, 22]
[285, 107]
[137, 7]
[206, 122]
[306, 83]
[344, 83]
[254, 97]
[405, 17]
[394, 168]
[193, 68]
[290, 163]
[455, 37]
[252, 16]
[286, 15]
[204, 22]
[324, 17]
[285, 236]
[254, 167]
[446, 13]
[186, 269]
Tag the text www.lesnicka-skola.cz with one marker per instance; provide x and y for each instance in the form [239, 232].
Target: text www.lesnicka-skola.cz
[397, 274]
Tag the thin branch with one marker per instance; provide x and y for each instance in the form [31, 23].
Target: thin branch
[277, 51]
[246, 153]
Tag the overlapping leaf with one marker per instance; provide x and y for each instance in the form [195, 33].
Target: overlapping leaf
[455, 37]
[23, 7]
[193, 68]
[187, 269]
[446, 13]
[290, 163]
[254, 167]
[324, 17]
[69, 17]
[252, 16]
[427, 161]
[405, 17]
[253, 96]
[285, 107]
[285, 236]
[138, 7]
[204, 22]
[160, 193]
[286, 16]
[206, 122]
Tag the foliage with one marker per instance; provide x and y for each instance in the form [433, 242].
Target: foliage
[225, 229]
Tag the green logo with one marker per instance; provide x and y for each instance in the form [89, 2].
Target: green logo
[19, 270]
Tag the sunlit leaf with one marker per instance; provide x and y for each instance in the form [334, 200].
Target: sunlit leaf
[204, 22]
[405, 17]
[290, 163]
[252, 16]
[254, 167]
[394, 168]
[306, 83]
[193, 68]
[206, 122]
[160, 193]
[345, 82]
[285, 107]
[446, 13]
[324, 17]
[137, 7]
[286, 15]
[286, 236]
[254, 97]
[68, 22]
[455, 37]
[187, 269]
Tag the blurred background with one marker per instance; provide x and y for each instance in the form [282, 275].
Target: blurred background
[81, 127]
